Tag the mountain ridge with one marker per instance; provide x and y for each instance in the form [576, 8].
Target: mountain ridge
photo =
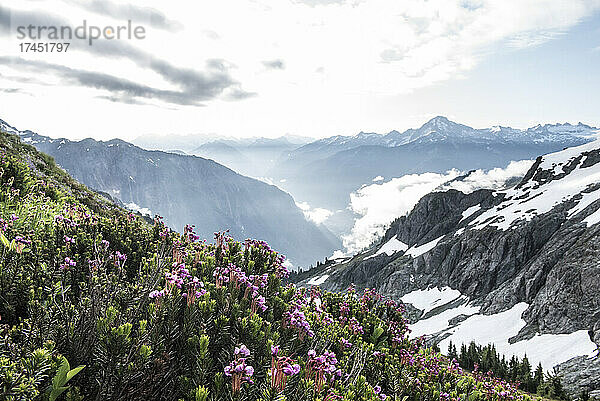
[189, 189]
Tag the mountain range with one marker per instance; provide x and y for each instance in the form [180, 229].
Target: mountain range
[189, 189]
[518, 267]
[325, 172]
[322, 174]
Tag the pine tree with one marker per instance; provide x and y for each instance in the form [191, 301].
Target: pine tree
[538, 378]
[452, 351]
[525, 375]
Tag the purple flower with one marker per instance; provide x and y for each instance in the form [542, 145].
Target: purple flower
[68, 263]
[242, 350]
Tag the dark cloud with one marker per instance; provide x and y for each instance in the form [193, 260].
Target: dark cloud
[4, 21]
[276, 64]
[10, 20]
[122, 89]
[194, 86]
[137, 14]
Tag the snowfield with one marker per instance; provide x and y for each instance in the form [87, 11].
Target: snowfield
[528, 201]
[497, 329]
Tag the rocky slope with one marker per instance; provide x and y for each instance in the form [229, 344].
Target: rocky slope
[188, 189]
[518, 267]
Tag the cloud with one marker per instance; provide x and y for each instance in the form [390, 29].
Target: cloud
[123, 90]
[136, 208]
[491, 179]
[379, 204]
[155, 18]
[14, 90]
[194, 86]
[276, 64]
[317, 215]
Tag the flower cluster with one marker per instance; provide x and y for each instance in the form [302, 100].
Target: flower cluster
[239, 371]
[189, 234]
[251, 284]
[21, 243]
[281, 368]
[68, 263]
[354, 326]
[296, 318]
[320, 367]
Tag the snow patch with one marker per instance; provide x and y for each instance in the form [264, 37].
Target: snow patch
[390, 248]
[527, 202]
[441, 321]
[415, 251]
[470, 211]
[318, 280]
[593, 218]
[430, 298]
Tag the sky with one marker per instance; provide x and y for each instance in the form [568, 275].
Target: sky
[314, 68]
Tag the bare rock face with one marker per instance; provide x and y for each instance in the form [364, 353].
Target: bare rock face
[581, 373]
[537, 243]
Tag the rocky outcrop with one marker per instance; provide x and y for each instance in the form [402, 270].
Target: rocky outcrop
[537, 243]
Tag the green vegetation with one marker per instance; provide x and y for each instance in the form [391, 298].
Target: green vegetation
[146, 313]
[487, 359]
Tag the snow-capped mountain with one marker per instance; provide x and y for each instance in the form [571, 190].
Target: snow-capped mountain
[188, 189]
[325, 172]
[517, 267]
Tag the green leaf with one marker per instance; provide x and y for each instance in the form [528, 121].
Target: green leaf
[4, 241]
[73, 372]
[61, 375]
[56, 392]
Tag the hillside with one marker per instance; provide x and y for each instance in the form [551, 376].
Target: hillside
[189, 190]
[140, 312]
[519, 268]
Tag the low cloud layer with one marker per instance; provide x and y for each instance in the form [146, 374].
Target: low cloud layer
[379, 204]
